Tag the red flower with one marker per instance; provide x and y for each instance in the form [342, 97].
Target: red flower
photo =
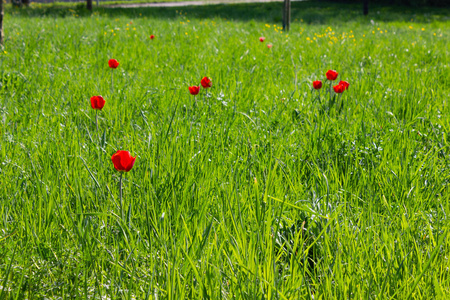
[317, 84]
[344, 83]
[152, 37]
[123, 161]
[269, 46]
[113, 63]
[194, 90]
[261, 39]
[97, 102]
[339, 88]
[332, 75]
[206, 82]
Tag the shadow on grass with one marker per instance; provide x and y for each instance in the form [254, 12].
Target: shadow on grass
[311, 12]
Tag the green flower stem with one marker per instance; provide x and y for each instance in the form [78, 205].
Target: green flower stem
[120, 195]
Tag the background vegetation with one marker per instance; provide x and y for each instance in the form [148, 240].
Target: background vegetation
[257, 189]
[414, 3]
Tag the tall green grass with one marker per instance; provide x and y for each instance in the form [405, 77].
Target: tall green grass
[255, 190]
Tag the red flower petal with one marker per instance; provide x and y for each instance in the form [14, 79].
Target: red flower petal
[97, 102]
[123, 161]
[116, 159]
[130, 164]
[339, 88]
[113, 63]
[94, 102]
[317, 84]
[206, 82]
[344, 83]
[331, 74]
[100, 102]
[194, 90]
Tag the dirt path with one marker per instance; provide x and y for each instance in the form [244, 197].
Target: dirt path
[191, 3]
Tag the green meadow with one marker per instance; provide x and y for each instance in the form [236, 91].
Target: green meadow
[258, 188]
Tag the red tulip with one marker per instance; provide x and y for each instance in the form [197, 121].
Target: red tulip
[194, 90]
[344, 83]
[97, 102]
[317, 84]
[206, 82]
[123, 161]
[261, 39]
[152, 37]
[269, 46]
[113, 63]
[339, 88]
[332, 75]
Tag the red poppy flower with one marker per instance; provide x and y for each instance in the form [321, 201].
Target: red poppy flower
[97, 102]
[123, 161]
[344, 83]
[152, 37]
[194, 90]
[317, 84]
[269, 46]
[339, 88]
[261, 39]
[332, 75]
[113, 63]
[206, 82]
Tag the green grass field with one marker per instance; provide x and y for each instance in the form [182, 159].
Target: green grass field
[256, 190]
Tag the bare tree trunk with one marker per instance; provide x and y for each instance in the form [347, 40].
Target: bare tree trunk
[366, 7]
[1, 22]
[287, 15]
[89, 4]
